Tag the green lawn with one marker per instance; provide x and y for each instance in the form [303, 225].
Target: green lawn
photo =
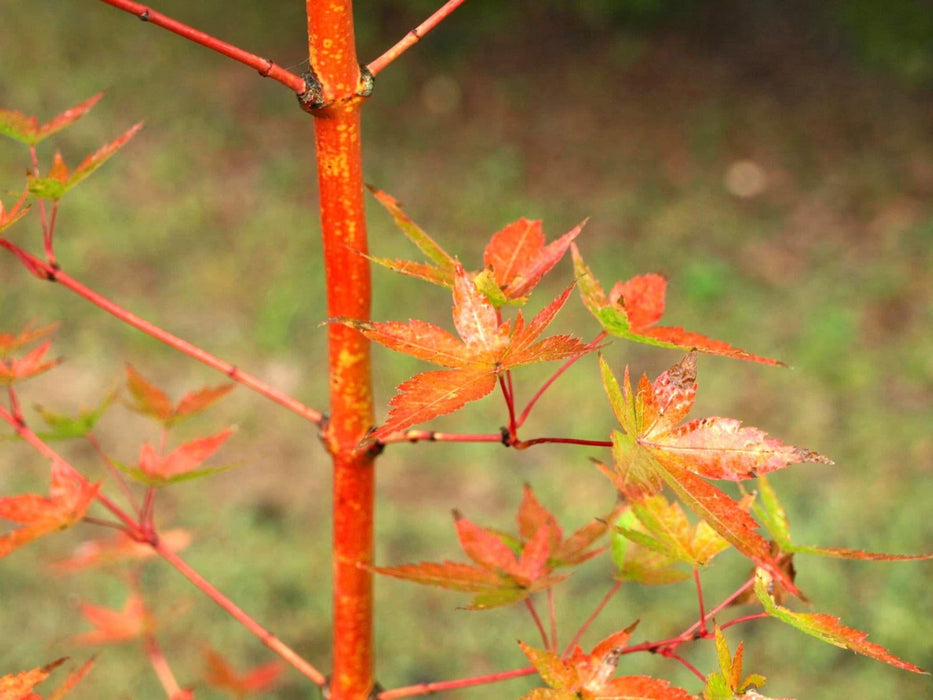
[785, 192]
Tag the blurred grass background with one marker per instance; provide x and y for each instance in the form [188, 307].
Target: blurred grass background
[775, 160]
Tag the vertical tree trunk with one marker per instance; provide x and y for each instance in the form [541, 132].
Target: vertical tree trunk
[337, 134]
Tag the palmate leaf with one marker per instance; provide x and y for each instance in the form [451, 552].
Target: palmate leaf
[15, 369]
[20, 686]
[825, 627]
[180, 464]
[728, 683]
[150, 400]
[59, 180]
[27, 130]
[10, 216]
[518, 257]
[588, 676]
[221, 675]
[632, 308]
[119, 548]
[515, 259]
[663, 527]
[486, 347]
[113, 626]
[65, 427]
[505, 569]
[654, 451]
[716, 448]
[68, 500]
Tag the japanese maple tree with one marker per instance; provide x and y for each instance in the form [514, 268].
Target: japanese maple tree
[670, 521]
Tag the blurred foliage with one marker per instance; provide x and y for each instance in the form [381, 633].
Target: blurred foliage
[739, 148]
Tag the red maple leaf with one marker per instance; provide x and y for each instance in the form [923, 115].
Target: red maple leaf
[8, 217]
[518, 258]
[632, 308]
[714, 447]
[69, 498]
[652, 449]
[220, 674]
[27, 129]
[180, 464]
[112, 626]
[19, 686]
[486, 347]
[14, 369]
[152, 401]
[505, 568]
[515, 259]
[589, 676]
[117, 548]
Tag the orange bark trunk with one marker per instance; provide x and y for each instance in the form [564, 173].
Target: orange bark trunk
[337, 137]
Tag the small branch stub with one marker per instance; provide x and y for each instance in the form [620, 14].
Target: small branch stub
[313, 96]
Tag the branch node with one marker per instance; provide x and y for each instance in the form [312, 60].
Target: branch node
[313, 96]
[270, 64]
[144, 15]
[367, 82]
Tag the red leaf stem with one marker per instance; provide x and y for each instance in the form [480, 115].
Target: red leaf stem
[553, 378]
[537, 619]
[589, 621]
[265, 67]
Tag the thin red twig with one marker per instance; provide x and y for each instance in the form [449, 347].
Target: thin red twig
[266, 637]
[438, 686]
[43, 448]
[43, 269]
[435, 436]
[265, 67]
[414, 36]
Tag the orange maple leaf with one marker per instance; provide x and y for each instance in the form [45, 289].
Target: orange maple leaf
[112, 626]
[69, 498]
[223, 676]
[589, 676]
[505, 568]
[486, 347]
[652, 450]
[631, 309]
